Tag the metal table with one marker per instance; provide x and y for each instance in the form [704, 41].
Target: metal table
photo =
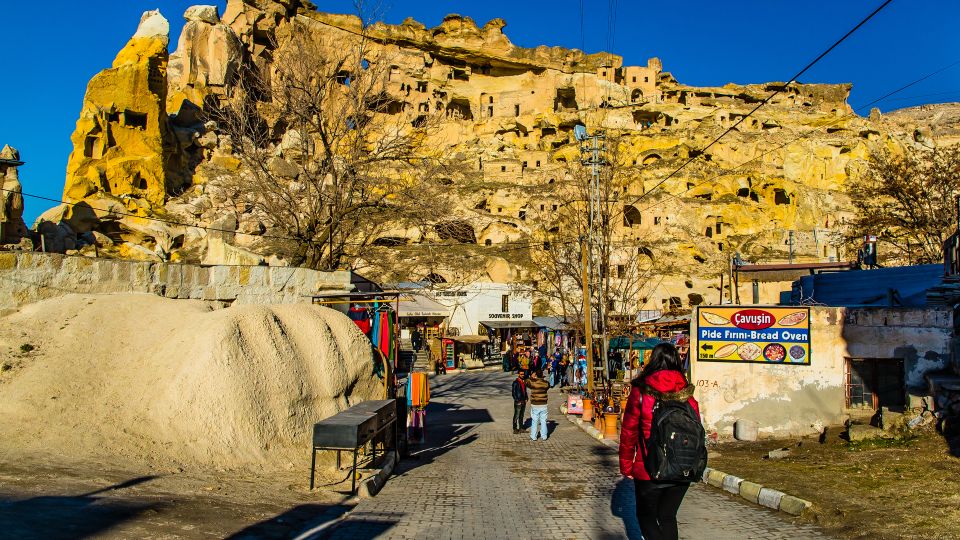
[351, 430]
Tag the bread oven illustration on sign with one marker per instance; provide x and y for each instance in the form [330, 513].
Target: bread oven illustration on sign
[766, 335]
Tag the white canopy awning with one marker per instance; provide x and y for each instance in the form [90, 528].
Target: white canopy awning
[416, 305]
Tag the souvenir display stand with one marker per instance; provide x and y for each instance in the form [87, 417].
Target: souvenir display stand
[418, 397]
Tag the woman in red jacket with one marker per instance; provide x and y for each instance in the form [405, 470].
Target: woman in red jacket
[657, 502]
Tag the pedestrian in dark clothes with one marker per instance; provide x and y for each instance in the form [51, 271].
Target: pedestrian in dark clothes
[416, 339]
[519, 392]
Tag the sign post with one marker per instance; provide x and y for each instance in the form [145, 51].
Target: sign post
[765, 335]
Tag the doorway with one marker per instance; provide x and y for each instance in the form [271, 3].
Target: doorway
[875, 382]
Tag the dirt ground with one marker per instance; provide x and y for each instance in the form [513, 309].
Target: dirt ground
[883, 489]
[43, 498]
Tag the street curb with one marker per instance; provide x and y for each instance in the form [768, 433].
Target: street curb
[371, 486]
[755, 493]
[592, 431]
[748, 491]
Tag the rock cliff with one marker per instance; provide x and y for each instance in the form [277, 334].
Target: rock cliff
[145, 147]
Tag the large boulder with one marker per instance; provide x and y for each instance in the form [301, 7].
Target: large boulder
[220, 252]
[207, 58]
[122, 143]
[859, 433]
[149, 380]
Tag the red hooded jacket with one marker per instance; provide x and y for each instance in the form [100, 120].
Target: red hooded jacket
[665, 385]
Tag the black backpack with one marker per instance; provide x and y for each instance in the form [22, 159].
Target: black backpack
[676, 449]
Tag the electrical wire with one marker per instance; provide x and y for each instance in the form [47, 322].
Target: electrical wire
[809, 132]
[766, 100]
[520, 245]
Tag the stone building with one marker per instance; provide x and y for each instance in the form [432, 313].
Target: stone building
[876, 339]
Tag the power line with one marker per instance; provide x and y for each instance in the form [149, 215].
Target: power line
[776, 92]
[810, 132]
[934, 94]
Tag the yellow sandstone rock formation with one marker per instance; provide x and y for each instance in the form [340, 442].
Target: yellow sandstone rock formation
[507, 113]
[121, 144]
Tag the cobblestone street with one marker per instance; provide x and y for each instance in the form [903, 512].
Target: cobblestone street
[476, 479]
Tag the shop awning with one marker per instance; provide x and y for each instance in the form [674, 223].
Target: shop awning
[551, 323]
[469, 340]
[502, 325]
[638, 343]
[415, 305]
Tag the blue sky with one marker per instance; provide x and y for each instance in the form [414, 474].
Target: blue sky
[51, 54]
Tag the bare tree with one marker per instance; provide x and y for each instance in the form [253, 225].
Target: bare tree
[909, 201]
[332, 158]
[620, 265]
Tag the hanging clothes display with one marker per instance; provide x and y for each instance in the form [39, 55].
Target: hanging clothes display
[383, 335]
[360, 317]
[418, 397]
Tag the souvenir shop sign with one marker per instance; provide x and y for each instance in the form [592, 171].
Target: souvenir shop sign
[505, 316]
[765, 335]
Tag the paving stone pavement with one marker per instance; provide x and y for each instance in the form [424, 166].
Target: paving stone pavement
[474, 478]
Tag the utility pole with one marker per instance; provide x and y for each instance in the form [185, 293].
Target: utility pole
[592, 155]
[587, 315]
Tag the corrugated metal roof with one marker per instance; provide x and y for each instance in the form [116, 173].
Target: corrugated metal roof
[551, 323]
[904, 286]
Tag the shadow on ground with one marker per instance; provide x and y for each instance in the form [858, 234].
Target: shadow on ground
[69, 516]
[451, 424]
[303, 522]
[623, 504]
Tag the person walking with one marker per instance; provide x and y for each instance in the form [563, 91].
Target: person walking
[661, 392]
[555, 369]
[538, 405]
[519, 392]
[416, 339]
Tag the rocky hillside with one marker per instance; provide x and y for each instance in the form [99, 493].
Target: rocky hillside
[151, 155]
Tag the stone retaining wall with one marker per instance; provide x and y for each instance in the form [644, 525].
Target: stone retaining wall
[27, 277]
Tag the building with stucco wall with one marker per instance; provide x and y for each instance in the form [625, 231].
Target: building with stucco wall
[860, 359]
[474, 305]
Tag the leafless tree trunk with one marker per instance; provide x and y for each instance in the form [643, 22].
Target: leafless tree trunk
[620, 272]
[331, 161]
[909, 202]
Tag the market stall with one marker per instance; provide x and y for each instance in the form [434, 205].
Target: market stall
[468, 352]
[633, 349]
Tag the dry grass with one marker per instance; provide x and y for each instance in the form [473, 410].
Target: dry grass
[884, 489]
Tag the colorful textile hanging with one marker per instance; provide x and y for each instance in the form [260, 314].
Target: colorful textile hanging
[418, 396]
[418, 390]
[360, 317]
[416, 426]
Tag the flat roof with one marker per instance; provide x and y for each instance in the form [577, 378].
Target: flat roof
[795, 266]
[497, 325]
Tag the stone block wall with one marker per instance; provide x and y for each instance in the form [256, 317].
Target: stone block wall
[27, 277]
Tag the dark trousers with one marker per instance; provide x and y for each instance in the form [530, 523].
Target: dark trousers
[657, 506]
[518, 408]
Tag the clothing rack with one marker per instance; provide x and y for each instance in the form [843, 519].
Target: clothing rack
[387, 298]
